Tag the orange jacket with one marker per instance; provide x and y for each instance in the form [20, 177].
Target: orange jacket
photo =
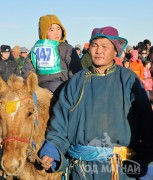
[138, 68]
[118, 61]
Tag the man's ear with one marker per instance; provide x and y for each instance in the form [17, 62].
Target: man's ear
[115, 53]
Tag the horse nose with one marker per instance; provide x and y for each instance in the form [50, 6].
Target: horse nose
[11, 166]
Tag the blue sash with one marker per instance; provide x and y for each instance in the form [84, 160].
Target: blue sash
[90, 153]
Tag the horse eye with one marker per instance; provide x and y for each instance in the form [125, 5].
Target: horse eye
[30, 113]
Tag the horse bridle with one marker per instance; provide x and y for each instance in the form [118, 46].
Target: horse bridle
[30, 150]
[17, 138]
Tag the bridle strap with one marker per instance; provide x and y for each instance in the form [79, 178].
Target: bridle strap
[15, 139]
[25, 98]
[26, 140]
[20, 99]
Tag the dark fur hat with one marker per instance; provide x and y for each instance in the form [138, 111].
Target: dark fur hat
[5, 48]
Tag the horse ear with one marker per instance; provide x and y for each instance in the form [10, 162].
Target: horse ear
[3, 85]
[32, 82]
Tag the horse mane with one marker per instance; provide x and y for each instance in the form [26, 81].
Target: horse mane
[44, 98]
[15, 82]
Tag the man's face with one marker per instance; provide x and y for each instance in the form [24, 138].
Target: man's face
[102, 52]
[78, 52]
[15, 54]
[144, 53]
[127, 64]
[24, 54]
[147, 46]
[5, 55]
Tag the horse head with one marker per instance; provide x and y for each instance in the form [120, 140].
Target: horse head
[24, 112]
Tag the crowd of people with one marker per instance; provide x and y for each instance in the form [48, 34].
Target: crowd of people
[14, 61]
[103, 89]
[138, 58]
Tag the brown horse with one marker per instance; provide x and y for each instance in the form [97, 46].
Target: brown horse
[24, 112]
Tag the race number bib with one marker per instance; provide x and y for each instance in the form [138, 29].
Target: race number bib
[45, 57]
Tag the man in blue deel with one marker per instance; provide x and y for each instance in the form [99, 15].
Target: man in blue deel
[102, 127]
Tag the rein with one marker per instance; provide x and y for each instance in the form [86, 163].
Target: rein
[15, 139]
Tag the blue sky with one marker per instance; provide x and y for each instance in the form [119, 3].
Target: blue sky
[19, 19]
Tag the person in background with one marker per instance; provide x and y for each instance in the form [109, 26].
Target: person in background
[24, 63]
[128, 51]
[7, 64]
[150, 58]
[107, 105]
[147, 45]
[85, 48]
[126, 63]
[136, 64]
[143, 55]
[23, 55]
[86, 59]
[78, 50]
[51, 28]
[24, 52]
[16, 52]
[139, 47]
[147, 79]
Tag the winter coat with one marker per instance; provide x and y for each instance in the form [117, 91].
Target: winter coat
[25, 66]
[147, 80]
[86, 60]
[92, 104]
[70, 63]
[137, 67]
[8, 67]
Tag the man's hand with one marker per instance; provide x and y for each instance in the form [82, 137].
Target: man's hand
[47, 162]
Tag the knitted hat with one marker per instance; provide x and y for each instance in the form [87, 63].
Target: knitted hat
[129, 48]
[78, 46]
[45, 22]
[5, 48]
[24, 50]
[112, 34]
[16, 49]
[134, 55]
